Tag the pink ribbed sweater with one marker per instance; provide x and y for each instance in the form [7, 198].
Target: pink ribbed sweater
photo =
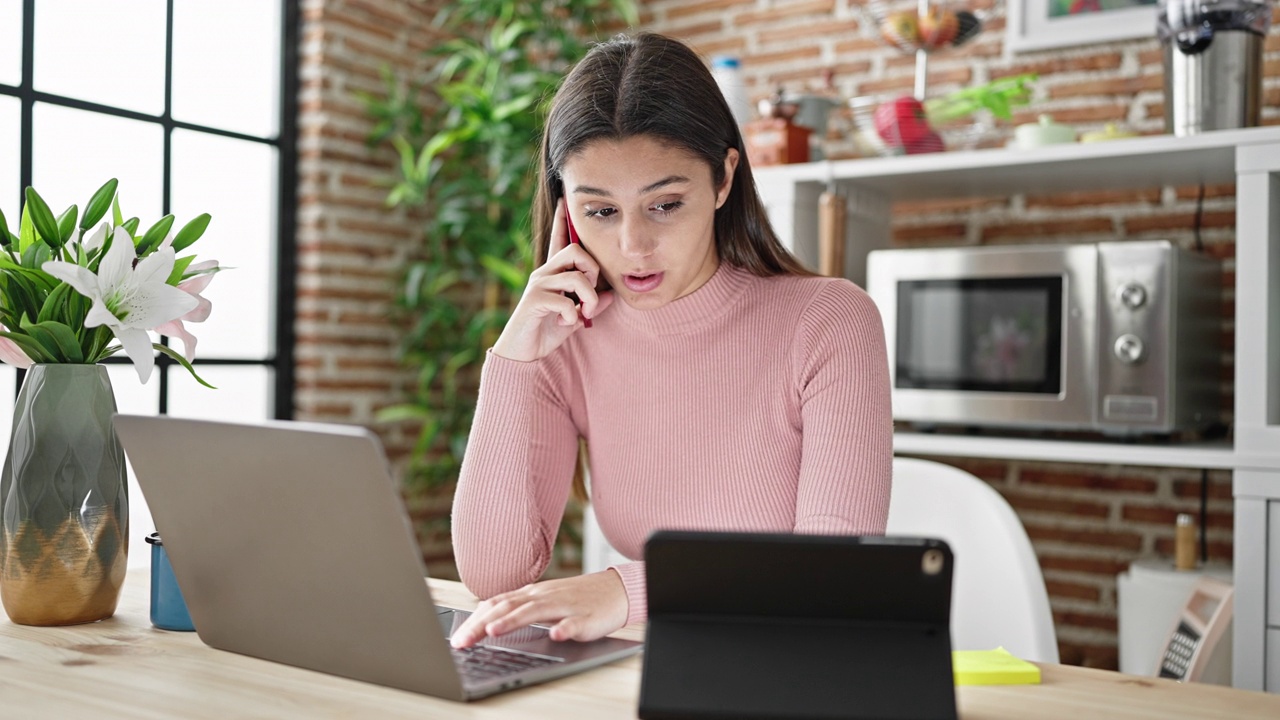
[751, 404]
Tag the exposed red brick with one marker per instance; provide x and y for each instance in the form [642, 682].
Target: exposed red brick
[1218, 549]
[1167, 516]
[1077, 618]
[756, 59]
[1048, 66]
[1021, 500]
[1085, 479]
[1219, 488]
[1104, 657]
[1179, 221]
[702, 28]
[684, 9]
[1076, 591]
[1047, 228]
[1107, 567]
[1100, 197]
[1190, 192]
[948, 231]
[1093, 538]
[1110, 86]
[808, 31]
[784, 11]
[919, 208]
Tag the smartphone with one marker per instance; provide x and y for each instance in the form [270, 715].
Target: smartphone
[574, 240]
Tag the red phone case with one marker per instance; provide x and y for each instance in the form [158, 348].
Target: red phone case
[574, 240]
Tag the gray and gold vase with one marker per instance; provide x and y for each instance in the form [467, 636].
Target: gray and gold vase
[64, 506]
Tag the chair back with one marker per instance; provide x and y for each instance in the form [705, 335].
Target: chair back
[998, 595]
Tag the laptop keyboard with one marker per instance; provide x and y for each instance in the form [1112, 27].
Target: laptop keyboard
[486, 662]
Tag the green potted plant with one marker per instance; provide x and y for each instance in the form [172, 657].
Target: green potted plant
[71, 295]
[467, 155]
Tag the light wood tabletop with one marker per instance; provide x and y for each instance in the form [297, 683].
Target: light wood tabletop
[125, 668]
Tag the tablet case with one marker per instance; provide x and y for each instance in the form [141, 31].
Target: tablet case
[772, 626]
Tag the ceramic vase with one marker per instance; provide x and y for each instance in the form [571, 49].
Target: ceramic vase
[64, 507]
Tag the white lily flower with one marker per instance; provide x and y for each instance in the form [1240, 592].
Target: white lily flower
[129, 295]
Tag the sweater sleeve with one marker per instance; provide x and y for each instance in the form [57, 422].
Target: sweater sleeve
[846, 463]
[515, 478]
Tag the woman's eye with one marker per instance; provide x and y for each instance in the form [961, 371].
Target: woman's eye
[667, 208]
[602, 212]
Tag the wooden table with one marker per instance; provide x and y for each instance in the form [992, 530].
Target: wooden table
[125, 668]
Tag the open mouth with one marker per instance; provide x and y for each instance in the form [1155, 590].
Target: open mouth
[641, 283]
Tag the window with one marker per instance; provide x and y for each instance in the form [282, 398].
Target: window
[190, 104]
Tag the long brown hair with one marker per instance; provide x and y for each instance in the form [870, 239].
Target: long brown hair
[656, 86]
[651, 85]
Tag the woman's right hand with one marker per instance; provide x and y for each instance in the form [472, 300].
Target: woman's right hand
[545, 317]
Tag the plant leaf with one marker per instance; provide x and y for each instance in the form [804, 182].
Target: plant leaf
[179, 266]
[62, 338]
[183, 362]
[116, 218]
[98, 205]
[33, 349]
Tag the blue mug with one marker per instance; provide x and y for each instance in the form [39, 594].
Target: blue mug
[168, 608]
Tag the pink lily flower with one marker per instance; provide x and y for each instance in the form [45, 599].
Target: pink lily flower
[194, 286]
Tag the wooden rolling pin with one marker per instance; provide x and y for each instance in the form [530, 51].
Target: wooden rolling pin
[831, 216]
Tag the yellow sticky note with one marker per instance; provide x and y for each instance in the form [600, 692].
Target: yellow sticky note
[992, 667]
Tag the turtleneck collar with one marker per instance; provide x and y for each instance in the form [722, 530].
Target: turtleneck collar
[694, 311]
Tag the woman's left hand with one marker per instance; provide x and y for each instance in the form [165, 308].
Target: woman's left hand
[582, 608]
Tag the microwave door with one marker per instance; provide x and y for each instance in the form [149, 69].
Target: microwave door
[1001, 337]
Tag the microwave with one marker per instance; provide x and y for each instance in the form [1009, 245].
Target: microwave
[1117, 337]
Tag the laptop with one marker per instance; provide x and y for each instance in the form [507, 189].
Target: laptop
[772, 626]
[291, 543]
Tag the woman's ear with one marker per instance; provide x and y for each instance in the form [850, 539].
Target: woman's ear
[730, 166]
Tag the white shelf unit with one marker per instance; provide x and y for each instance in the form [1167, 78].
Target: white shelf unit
[1251, 159]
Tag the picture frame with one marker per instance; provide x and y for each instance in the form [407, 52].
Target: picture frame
[1030, 26]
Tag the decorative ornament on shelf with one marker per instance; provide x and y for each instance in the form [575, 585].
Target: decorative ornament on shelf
[64, 298]
[930, 26]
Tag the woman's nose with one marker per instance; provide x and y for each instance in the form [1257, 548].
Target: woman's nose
[637, 241]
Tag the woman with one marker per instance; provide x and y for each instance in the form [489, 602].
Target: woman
[719, 385]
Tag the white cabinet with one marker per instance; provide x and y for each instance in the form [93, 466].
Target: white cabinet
[1251, 159]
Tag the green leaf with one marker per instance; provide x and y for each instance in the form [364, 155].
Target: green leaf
[401, 413]
[511, 275]
[116, 218]
[155, 235]
[179, 266]
[191, 232]
[183, 362]
[42, 218]
[62, 338]
[4, 229]
[131, 226]
[26, 232]
[67, 224]
[52, 303]
[33, 349]
[102, 199]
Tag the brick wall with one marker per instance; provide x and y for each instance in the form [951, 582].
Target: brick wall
[1087, 522]
[350, 245]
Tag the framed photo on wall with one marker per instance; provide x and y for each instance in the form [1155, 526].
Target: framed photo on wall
[1043, 24]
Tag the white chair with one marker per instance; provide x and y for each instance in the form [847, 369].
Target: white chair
[998, 595]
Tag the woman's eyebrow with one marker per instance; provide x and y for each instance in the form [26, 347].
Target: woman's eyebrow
[669, 180]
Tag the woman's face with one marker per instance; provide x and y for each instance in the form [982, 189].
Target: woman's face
[645, 210]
